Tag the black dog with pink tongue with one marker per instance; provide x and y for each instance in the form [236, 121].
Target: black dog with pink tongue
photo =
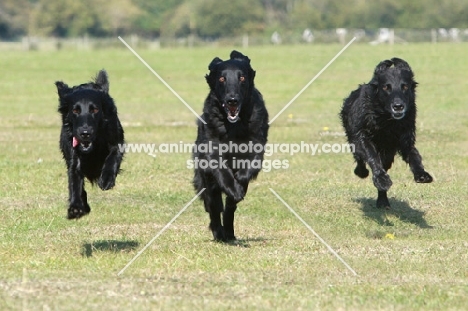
[89, 140]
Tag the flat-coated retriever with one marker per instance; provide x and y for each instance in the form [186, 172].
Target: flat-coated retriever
[379, 120]
[236, 117]
[89, 139]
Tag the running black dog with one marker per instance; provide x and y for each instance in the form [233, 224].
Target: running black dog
[235, 115]
[379, 120]
[89, 139]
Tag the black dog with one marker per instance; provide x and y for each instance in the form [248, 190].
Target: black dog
[379, 120]
[235, 115]
[89, 139]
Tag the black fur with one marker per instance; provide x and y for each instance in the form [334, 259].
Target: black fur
[379, 119]
[89, 139]
[234, 112]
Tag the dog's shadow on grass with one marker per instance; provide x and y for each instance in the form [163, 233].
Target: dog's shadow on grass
[244, 243]
[114, 246]
[401, 209]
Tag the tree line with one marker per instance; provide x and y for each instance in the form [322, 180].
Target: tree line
[219, 18]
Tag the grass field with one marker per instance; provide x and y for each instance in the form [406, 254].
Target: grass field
[413, 257]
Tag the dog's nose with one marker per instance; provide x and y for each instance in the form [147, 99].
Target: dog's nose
[85, 135]
[397, 107]
[232, 101]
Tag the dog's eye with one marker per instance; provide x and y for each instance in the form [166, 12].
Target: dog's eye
[404, 87]
[94, 110]
[76, 110]
[222, 79]
[386, 87]
[241, 78]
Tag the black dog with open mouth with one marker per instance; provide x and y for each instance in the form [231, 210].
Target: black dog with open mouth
[379, 119]
[235, 114]
[89, 139]
[231, 83]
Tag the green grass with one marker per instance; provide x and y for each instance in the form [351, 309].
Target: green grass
[50, 263]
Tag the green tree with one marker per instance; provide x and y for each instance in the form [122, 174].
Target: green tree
[14, 18]
[181, 22]
[305, 14]
[67, 18]
[119, 15]
[218, 18]
[62, 18]
[155, 14]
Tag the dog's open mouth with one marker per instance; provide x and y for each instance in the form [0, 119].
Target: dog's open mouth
[232, 112]
[398, 115]
[84, 145]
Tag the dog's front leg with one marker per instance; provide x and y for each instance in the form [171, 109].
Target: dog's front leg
[222, 172]
[228, 216]
[229, 184]
[411, 156]
[251, 170]
[78, 206]
[110, 169]
[367, 151]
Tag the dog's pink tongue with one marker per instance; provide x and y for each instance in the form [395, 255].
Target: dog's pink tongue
[75, 142]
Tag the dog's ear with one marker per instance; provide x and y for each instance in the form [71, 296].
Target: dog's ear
[382, 66]
[235, 55]
[401, 64]
[102, 79]
[210, 78]
[214, 62]
[239, 56]
[379, 69]
[252, 74]
[62, 88]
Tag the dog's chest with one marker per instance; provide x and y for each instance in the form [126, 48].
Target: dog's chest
[232, 132]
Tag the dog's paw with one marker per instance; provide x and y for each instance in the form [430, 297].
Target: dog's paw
[383, 203]
[76, 211]
[239, 193]
[107, 180]
[235, 191]
[382, 181]
[218, 234]
[229, 237]
[242, 176]
[361, 171]
[229, 233]
[423, 177]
